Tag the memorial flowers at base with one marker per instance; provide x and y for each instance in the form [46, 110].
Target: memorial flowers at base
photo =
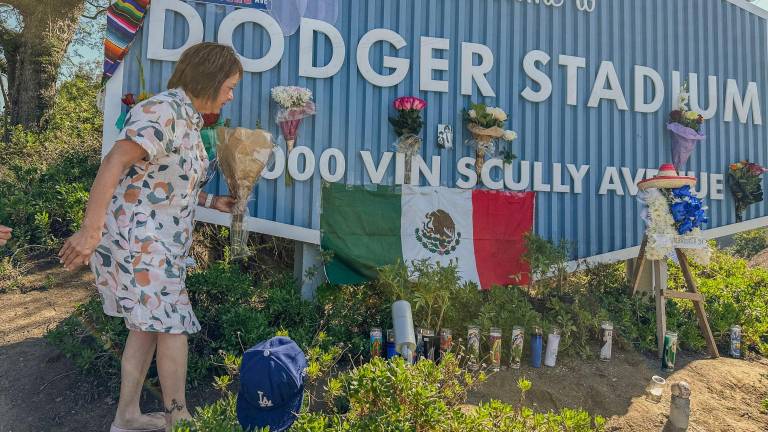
[746, 184]
[685, 128]
[408, 124]
[674, 217]
[295, 105]
[486, 124]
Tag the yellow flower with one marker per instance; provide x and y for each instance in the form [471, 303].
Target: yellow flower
[691, 115]
[736, 166]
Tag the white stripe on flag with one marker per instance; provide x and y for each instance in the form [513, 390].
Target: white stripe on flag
[439, 219]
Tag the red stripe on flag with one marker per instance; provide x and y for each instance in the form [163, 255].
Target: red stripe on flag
[500, 221]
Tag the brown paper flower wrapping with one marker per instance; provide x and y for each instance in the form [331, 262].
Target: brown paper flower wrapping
[483, 139]
[243, 155]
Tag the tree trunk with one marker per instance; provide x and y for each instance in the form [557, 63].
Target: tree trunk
[35, 54]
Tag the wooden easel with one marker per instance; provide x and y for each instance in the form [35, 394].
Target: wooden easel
[661, 295]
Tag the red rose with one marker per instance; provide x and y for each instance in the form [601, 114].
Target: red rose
[210, 119]
[676, 115]
[128, 99]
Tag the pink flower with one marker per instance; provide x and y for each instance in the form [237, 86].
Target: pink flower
[409, 103]
[755, 169]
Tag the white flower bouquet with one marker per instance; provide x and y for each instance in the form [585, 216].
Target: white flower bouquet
[486, 124]
[295, 105]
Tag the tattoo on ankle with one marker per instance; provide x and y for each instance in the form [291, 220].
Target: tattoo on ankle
[175, 406]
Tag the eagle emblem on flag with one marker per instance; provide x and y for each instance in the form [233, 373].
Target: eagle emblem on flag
[438, 233]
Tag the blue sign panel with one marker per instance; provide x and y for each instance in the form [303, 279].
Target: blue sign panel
[588, 86]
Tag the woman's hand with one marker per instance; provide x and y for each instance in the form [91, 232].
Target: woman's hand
[223, 203]
[78, 249]
[5, 234]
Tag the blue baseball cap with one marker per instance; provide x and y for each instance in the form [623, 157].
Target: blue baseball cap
[271, 385]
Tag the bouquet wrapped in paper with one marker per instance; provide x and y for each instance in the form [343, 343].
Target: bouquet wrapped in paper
[408, 124]
[685, 128]
[243, 154]
[486, 126]
[746, 183]
[295, 105]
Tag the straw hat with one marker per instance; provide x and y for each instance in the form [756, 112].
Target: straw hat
[667, 178]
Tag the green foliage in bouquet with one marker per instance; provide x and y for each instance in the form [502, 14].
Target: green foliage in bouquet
[746, 183]
[408, 120]
[484, 116]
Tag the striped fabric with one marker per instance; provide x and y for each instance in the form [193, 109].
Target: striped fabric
[124, 19]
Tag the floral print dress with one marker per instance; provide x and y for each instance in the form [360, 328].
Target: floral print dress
[140, 261]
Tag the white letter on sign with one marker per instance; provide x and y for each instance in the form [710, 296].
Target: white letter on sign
[572, 65]
[376, 173]
[611, 181]
[309, 163]
[400, 65]
[155, 50]
[277, 39]
[429, 64]
[751, 101]
[607, 73]
[541, 78]
[641, 73]
[325, 165]
[306, 44]
[470, 72]
[466, 168]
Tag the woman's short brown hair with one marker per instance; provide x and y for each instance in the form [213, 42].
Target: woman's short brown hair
[203, 68]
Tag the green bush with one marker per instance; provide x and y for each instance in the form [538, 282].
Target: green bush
[234, 312]
[393, 396]
[45, 175]
[349, 312]
[747, 244]
[734, 293]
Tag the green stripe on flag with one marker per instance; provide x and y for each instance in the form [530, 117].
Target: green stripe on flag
[361, 227]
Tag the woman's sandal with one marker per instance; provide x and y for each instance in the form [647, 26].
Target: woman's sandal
[114, 428]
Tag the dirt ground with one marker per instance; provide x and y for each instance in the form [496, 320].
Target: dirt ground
[726, 392]
[41, 390]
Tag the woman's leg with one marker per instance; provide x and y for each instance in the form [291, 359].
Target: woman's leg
[137, 356]
[172, 369]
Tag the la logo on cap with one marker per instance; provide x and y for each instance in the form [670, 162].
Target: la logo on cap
[264, 402]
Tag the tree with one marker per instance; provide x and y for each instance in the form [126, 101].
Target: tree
[34, 37]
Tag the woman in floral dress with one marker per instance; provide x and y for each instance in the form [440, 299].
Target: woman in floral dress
[138, 226]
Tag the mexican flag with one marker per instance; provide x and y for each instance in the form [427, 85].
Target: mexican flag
[480, 231]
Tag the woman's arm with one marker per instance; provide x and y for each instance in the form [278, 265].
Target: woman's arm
[220, 203]
[78, 249]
